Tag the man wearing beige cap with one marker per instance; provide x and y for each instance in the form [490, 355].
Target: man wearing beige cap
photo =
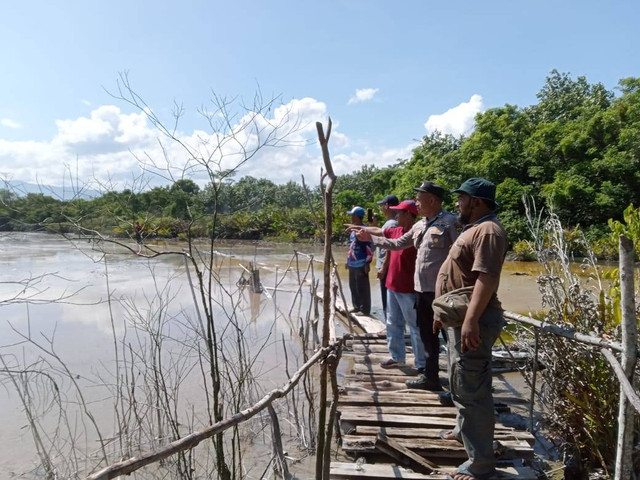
[432, 237]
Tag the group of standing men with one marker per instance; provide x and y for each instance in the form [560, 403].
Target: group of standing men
[428, 258]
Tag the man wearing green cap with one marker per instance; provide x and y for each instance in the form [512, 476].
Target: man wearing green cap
[475, 259]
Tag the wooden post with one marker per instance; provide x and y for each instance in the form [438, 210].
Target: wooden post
[256, 286]
[321, 448]
[623, 469]
[278, 451]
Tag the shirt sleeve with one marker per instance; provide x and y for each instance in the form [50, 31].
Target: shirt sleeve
[489, 250]
[405, 241]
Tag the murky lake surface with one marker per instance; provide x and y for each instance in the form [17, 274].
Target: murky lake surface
[66, 312]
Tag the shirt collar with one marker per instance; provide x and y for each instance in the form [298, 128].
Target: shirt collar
[490, 216]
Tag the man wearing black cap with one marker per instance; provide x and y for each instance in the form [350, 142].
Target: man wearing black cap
[382, 261]
[432, 237]
[475, 259]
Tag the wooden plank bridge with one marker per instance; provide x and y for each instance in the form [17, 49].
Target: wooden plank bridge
[390, 431]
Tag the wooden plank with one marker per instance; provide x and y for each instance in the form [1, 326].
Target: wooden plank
[501, 433]
[374, 410]
[343, 470]
[374, 357]
[365, 322]
[363, 382]
[364, 336]
[376, 369]
[354, 471]
[377, 339]
[405, 456]
[505, 449]
[406, 421]
[373, 384]
[407, 369]
[393, 377]
[360, 348]
[405, 398]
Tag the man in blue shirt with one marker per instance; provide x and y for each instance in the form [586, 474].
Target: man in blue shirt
[358, 262]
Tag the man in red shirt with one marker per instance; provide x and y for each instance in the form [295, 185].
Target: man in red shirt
[401, 296]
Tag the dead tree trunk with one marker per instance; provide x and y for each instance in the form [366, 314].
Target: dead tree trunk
[624, 464]
[327, 192]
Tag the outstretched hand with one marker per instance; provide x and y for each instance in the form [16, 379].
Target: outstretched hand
[352, 227]
[363, 235]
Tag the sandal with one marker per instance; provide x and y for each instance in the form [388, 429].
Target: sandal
[448, 435]
[465, 474]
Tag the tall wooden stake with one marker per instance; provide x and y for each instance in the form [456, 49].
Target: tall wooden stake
[624, 466]
[326, 305]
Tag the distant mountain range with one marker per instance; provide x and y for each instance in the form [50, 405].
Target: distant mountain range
[60, 193]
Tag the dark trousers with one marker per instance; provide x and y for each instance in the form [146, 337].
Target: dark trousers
[431, 342]
[360, 289]
[383, 292]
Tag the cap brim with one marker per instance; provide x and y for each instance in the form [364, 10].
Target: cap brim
[495, 204]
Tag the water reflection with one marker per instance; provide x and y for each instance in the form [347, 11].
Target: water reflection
[122, 296]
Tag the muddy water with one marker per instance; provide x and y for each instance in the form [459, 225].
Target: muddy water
[60, 303]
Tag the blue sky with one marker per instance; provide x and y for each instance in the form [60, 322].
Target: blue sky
[386, 72]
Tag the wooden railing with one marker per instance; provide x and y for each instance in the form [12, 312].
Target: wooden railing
[628, 350]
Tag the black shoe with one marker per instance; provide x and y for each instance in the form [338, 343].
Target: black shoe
[446, 399]
[421, 371]
[423, 384]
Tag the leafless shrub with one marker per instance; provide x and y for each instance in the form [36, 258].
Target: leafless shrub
[579, 391]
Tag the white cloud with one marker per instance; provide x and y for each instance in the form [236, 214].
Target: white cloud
[7, 122]
[348, 162]
[112, 148]
[458, 120]
[363, 95]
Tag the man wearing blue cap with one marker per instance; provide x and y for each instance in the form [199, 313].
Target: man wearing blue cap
[358, 262]
[475, 259]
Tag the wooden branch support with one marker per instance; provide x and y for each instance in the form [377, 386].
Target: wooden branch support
[571, 334]
[626, 388]
[278, 451]
[405, 456]
[192, 440]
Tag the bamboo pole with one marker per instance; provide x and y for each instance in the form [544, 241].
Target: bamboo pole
[625, 385]
[326, 307]
[564, 332]
[190, 441]
[624, 451]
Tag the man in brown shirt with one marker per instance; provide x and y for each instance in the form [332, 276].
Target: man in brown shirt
[475, 259]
